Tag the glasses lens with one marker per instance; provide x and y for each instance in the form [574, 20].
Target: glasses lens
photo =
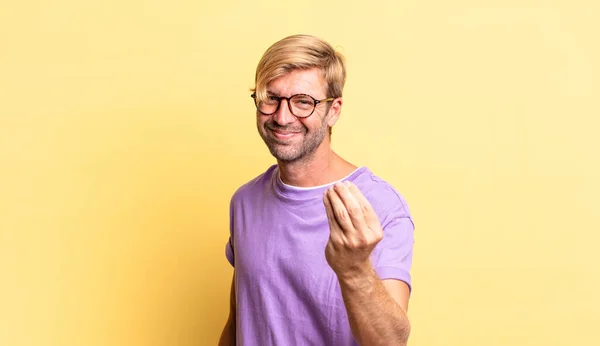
[269, 105]
[302, 105]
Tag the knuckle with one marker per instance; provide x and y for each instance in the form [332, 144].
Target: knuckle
[378, 233]
[341, 214]
[365, 208]
[354, 211]
[360, 242]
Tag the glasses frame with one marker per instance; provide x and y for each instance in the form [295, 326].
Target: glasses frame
[279, 98]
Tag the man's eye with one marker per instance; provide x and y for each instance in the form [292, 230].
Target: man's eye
[272, 98]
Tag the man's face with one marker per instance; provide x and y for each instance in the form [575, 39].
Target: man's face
[290, 138]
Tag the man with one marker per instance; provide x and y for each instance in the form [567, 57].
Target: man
[321, 248]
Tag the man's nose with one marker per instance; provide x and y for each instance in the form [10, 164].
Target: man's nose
[283, 116]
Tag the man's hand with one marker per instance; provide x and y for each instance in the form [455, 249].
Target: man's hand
[374, 316]
[355, 230]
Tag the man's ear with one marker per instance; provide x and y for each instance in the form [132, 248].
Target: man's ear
[335, 111]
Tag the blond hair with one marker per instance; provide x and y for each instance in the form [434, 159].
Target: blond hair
[301, 52]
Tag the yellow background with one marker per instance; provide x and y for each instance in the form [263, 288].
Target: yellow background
[125, 126]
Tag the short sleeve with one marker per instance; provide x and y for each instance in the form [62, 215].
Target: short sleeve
[392, 257]
[229, 252]
[229, 246]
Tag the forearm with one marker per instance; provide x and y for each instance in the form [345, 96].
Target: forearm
[228, 334]
[375, 317]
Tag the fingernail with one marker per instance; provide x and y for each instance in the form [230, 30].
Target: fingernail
[348, 183]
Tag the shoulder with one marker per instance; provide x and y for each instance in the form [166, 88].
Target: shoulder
[385, 199]
[255, 185]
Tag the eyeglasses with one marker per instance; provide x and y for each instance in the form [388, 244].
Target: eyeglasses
[300, 105]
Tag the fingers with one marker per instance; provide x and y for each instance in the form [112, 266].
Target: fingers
[346, 208]
[347, 213]
[367, 210]
[336, 232]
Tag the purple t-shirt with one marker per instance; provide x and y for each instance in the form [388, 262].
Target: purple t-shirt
[286, 293]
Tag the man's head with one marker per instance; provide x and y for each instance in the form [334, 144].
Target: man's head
[299, 64]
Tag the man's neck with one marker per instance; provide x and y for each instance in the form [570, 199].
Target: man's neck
[323, 167]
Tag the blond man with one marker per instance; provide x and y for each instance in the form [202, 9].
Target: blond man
[321, 248]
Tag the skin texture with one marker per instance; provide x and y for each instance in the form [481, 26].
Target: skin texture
[302, 146]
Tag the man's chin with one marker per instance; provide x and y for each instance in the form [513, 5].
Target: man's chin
[284, 156]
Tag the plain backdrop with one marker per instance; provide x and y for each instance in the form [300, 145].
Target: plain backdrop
[125, 127]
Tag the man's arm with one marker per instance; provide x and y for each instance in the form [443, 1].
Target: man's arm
[375, 317]
[228, 334]
[376, 309]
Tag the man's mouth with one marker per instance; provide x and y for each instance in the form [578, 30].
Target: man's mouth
[281, 134]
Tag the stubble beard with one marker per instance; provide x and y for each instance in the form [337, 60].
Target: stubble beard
[293, 151]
